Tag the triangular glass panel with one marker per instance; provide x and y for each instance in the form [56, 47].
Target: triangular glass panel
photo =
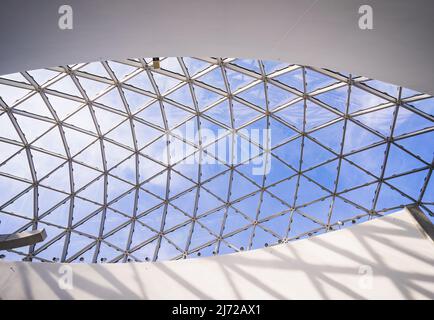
[325, 174]
[314, 154]
[200, 236]
[289, 152]
[343, 210]
[152, 114]
[205, 97]
[183, 96]
[410, 184]
[272, 66]
[66, 85]
[278, 96]
[390, 198]
[294, 115]
[77, 140]
[94, 192]
[140, 234]
[370, 159]
[390, 89]
[112, 99]
[357, 137]
[243, 114]
[82, 119]
[146, 201]
[175, 115]
[36, 105]
[141, 81]
[301, 225]
[316, 80]
[83, 175]
[179, 236]
[116, 187]
[7, 130]
[221, 113]
[93, 88]
[146, 252]
[318, 210]
[214, 78]
[361, 99]
[207, 202]
[235, 221]
[171, 64]
[408, 121]
[167, 251]
[41, 76]
[23, 206]
[285, 190]
[277, 171]
[255, 95]
[120, 70]
[63, 107]
[122, 134]
[51, 141]
[362, 196]
[59, 216]
[135, 101]
[18, 166]
[174, 217]
[32, 128]
[11, 95]
[242, 186]
[45, 163]
[91, 155]
[336, 98]
[58, 179]
[400, 161]
[308, 192]
[316, 115]
[164, 83]
[293, 79]
[194, 65]
[421, 145]
[120, 237]
[350, 176]
[425, 105]
[95, 68]
[153, 218]
[330, 136]
[237, 80]
[249, 64]
[278, 225]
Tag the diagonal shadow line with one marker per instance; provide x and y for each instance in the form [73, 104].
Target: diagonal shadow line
[48, 277]
[139, 281]
[254, 280]
[231, 282]
[314, 281]
[176, 277]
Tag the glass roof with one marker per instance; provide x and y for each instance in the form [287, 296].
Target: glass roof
[122, 162]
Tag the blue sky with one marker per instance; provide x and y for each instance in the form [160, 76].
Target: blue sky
[133, 151]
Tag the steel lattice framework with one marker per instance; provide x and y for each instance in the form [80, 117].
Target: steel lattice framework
[85, 152]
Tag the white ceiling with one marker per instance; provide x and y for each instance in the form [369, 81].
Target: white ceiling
[322, 33]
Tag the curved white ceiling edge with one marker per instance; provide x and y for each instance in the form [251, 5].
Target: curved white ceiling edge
[320, 33]
[336, 265]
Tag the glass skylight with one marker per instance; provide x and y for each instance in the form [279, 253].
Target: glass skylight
[122, 162]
